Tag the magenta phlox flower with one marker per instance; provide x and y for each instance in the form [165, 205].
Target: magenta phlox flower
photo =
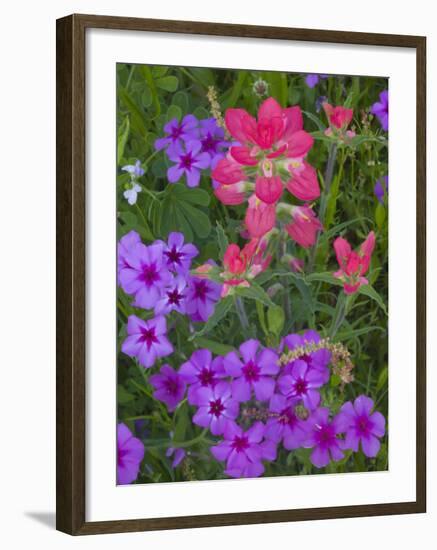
[323, 437]
[175, 131]
[130, 453]
[252, 369]
[284, 424]
[146, 340]
[362, 426]
[216, 407]
[302, 383]
[201, 371]
[244, 451]
[178, 255]
[169, 387]
[202, 295]
[189, 161]
[145, 274]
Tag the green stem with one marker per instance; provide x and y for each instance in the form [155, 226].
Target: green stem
[129, 78]
[241, 312]
[339, 316]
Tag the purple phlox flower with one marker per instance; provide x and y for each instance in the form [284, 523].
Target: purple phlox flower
[201, 371]
[216, 407]
[134, 170]
[380, 110]
[202, 296]
[212, 138]
[312, 80]
[131, 194]
[169, 387]
[244, 451]
[284, 424]
[323, 438]
[185, 130]
[178, 255]
[124, 249]
[381, 188]
[189, 160]
[130, 453]
[173, 297]
[255, 370]
[146, 340]
[362, 426]
[302, 383]
[178, 455]
[146, 276]
[318, 359]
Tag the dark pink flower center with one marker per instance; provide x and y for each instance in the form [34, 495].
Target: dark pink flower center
[176, 132]
[171, 386]
[206, 377]
[186, 161]
[216, 407]
[148, 336]
[200, 290]
[251, 371]
[209, 144]
[174, 255]
[300, 386]
[120, 455]
[149, 274]
[240, 443]
[325, 435]
[362, 424]
[174, 297]
[287, 416]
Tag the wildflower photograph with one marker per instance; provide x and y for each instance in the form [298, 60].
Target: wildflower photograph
[252, 274]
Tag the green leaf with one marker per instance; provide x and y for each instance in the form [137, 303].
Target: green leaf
[354, 333]
[167, 83]
[180, 99]
[123, 134]
[366, 290]
[174, 112]
[221, 309]
[382, 379]
[254, 292]
[370, 292]
[276, 319]
[159, 71]
[216, 347]
[316, 120]
[380, 215]
[196, 196]
[198, 220]
[222, 239]
[261, 317]
[182, 422]
[146, 98]
[236, 90]
[123, 396]
[136, 114]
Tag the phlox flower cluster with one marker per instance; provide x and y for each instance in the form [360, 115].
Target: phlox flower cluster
[254, 406]
[192, 145]
[158, 278]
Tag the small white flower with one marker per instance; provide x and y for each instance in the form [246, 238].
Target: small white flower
[131, 194]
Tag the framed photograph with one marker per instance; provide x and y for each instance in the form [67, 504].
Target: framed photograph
[240, 291]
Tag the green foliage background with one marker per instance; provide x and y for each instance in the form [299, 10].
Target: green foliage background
[282, 301]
